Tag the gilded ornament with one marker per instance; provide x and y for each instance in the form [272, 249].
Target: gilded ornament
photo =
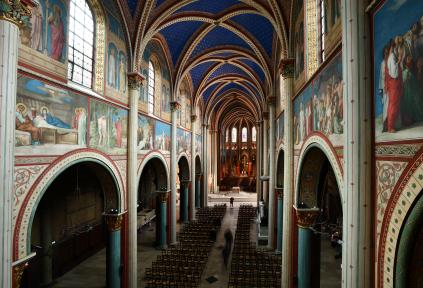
[287, 68]
[306, 216]
[15, 11]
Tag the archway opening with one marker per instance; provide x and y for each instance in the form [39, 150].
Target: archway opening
[183, 185]
[409, 254]
[318, 188]
[68, 226]
[153, 179]
[199, 195]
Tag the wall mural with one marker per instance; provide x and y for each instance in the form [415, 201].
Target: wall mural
[146, 131]
[198, 144]
[333, 25]
[46, 37]
[116, 59]
[298, 20]
[398, 70]
[162, 139]
[320, 106]
[162, 81]
[49, 120]
[183, 141]
[280, 123]
[108, 128]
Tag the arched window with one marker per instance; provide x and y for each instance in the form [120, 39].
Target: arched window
[233, 136]
[254, 134]
[81, 43]
[227, 135]
[151, 83]
[244, 134]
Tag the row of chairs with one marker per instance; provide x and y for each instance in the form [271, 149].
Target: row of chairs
[250, 266]
[183, 264]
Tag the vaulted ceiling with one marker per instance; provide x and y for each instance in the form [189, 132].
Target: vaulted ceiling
[226, 47]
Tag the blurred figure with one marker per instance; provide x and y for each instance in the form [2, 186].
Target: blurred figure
[228, 246]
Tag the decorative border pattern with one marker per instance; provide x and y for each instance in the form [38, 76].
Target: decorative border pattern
[23, 223]
[400, 150]
[405, 193]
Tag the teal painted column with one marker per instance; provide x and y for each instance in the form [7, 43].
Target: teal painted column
[163, 220]
[305, 219]
[279, 221]
[184, 200]
[197, 191]
[113, 255]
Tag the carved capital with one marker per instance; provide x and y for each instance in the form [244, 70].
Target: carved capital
[193, 118]
[19, 268]
[279, 191]
[175, 106]
[163, 195]
[306, 216]
[135, 80]
[113, 221]
[17, 12]
[287, 67]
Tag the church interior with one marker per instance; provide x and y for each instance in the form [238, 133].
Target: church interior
[205, 143]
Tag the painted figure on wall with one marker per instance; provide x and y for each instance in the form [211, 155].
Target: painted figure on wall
[146, 127]
[112, 64]
[57, 33]
[122, 72]
[24, 123]
[399, 70]
[162, 141]
[298, 20]
[80, 124]
[37, 19]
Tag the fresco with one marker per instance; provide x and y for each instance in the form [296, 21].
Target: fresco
[320, 106]
[198, 144]
[398, 70]
[298, 20]
[146, 133]
[49, 120]
[332, 23]
[47, 32]
[108, 128]
[116, 58]
[162, 93]
[183, 141]
[280, 128]
[162, 139]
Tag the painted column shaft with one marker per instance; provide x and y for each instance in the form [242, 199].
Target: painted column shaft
[205, 165]
[184, 208]
[271, 213]
[163, 217]
[265, 167]
[197, 191]
[304, 261]
[193, 186]
[258, 162]
[288, 194]
[9, 43]
[173, 165]
[113, 259]
[132, 185]
[356, 193]
[280, 212]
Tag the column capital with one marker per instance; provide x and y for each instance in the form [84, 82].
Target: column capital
[17, 12]
[271, 100]
[186, 181]
[306, 216]
[113, 221]
[193, 118]
[175, 106]
[19, 268]
[135, 80]
[287, 67]
[163, 195]
[279, 191]
[206, 126]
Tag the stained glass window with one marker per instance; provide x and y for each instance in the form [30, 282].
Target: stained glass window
[234, 132]
[254, 134]
[151, 83]
[244, 134]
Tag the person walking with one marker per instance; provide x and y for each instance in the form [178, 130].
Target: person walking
[231, 201]
[228, 246]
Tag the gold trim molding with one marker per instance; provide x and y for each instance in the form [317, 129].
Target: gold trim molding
[306, 216]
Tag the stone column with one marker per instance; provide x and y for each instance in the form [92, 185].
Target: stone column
[357, 194]
[279, 190]
[13, 14]
[113, 255]
[305, 220]
[174, 107]
[271, 211]
[184, 200]
[193, 190]
[163, 219]
[258, 161]
[287, 72]
[135, 80]
[205, 165]
[265, 167]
